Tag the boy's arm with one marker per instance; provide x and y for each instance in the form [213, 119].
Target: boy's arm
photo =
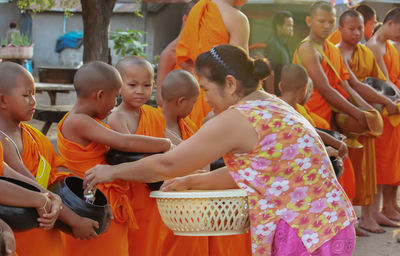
[88, 129]
[311, 62]
[239, 30]
[379, 56]
[8, 238]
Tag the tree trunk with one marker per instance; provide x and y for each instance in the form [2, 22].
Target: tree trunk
[96, 15]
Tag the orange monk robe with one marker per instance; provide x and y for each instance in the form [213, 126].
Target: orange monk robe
[347, 180]
[204, 29]
[387, 146]
[78, 160]
[363, 64]
[147, 239]
[317, 104]
[185, 245]
[335, 37]
[38, 242]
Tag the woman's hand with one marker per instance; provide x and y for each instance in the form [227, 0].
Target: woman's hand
[96, 175]
[342, 150]
[332, 152]
[85, 228]
[8, 238]
[50, 211]
[176, 184]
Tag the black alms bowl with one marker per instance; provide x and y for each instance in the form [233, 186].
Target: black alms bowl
[19, 218]
[71, 192]
[115, 157]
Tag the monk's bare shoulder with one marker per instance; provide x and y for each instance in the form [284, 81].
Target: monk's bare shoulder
[376, 47]
[307, 52]
[117, 119]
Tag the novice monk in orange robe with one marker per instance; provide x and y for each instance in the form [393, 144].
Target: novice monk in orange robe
[180, 91]
[210, 23]
[31, 154]
[362, 64]
[133, 116]
[387, 146]
[83, 141]
[296, 89]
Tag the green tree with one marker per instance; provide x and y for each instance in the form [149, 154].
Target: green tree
[96, 15]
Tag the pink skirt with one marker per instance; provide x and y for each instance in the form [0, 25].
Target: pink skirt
[287, 243]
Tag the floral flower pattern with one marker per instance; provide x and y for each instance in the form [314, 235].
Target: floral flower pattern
[288, 177]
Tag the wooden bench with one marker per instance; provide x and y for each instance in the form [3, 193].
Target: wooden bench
[50, 114]
[55, 74]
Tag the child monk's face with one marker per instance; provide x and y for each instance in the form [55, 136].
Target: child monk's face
[107, 102]
[352, 30]
[322, 23]
[138, 82]
[394, 30]
[369, 27]
[21, 102]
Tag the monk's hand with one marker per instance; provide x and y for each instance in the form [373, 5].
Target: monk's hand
[8, 238]
[110, 217]
[362, 120]
[332, 152]
[392, 109]
[96, 175]
[49, 217]
[85, 228]
[176, 184]
[343, 150]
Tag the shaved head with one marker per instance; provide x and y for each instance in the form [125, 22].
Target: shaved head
[394, 15]
[349, 13]
[127, 61]
[9, 74]
[294, 77]
[95, 76]
[179, 83]
[326, 6]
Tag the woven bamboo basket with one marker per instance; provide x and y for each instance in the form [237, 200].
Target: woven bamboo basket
[204, 213]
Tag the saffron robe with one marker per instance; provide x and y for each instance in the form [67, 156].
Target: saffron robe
[347, 180]
[39, 242]
[363, 64]
[147, 239]
[203, 30]
[317, 104]
[335, 37]
[387, 146]
[79, 159]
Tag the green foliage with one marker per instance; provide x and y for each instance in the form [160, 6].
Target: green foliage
[128, 42]
[4, 41]
[42, 5]
[21, 40]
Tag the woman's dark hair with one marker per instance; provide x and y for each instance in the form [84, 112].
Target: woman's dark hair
[227, 59]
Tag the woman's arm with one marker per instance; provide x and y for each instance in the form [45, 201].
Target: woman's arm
[224, 133]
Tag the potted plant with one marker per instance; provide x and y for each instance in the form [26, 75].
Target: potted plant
[128, 42]
[21, 47]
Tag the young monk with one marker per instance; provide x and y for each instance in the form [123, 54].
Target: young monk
[369, 16]
[133, 116]
[29, 152]
[167, 61]
[295, 87]
[83, 141]
[210, 23]
[361, 64]
[387, 146]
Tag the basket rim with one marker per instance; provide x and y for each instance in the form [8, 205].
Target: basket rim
[199, 193]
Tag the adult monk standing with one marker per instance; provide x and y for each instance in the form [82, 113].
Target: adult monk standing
[387, 146]
[361, 64]
[210, 23]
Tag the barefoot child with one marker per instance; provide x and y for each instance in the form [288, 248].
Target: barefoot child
[30, 153]
[83, 141]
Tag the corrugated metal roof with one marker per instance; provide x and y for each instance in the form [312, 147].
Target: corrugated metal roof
[120, 7]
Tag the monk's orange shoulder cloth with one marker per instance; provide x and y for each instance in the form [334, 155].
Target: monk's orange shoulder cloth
[317, 104]
[147, 240]
[392, 62]
[79, 159]
[335, 37]
[387, 146]
[363, 64]
[37, 242]
[187, 127]
[204, 29]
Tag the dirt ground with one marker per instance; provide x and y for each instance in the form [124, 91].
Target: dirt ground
[376, 245]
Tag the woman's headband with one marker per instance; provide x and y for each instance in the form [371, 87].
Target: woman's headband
[220, 61]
